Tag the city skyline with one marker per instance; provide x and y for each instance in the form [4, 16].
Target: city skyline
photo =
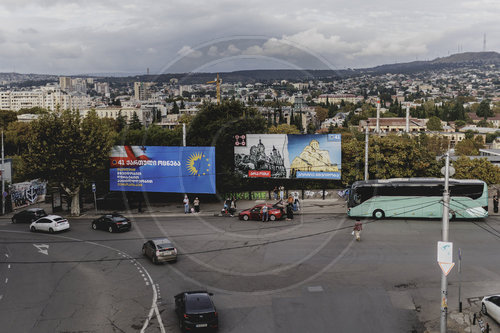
[69, 37]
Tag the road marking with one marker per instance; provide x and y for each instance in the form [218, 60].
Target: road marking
[8, 266]
[42, 248]
[315, 289]
[6, 255]
[6, 280]
[1, 296]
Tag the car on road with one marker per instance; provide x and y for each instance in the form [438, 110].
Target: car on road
[160, 250]
[490, 305]
[28, 215]
[196, 310]
[255, 213]
[50, 223]
[112, 222]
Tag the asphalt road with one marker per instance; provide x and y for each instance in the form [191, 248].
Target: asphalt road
[308, 275]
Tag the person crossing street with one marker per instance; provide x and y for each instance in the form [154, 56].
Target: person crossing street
[358, 226]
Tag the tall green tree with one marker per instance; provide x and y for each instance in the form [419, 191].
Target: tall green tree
[434, 124]
[135, 123]
[468, 147]
[478, 168]
[484, 110]
[69, 150]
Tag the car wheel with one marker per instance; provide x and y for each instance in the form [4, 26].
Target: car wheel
[143, 251]
[378, 214]
[245, 217]
[94, 226]
[110, 229]
[51, 230]
[483, 309]
[272, 217]
[32, 229]
[14, 220]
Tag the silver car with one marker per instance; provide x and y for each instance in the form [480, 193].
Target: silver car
[160, 250]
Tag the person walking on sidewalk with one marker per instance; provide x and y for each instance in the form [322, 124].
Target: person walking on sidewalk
[265, 214]
[196, 204]
[495, 203]
[186, 204]
[358, 226]
[275, 193]
[282, 192]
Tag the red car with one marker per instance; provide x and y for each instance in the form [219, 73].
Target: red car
[275, 213]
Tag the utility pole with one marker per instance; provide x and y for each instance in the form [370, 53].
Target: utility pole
[377, 129]
[3, 179]
[184, 134]
[446, 224]
[366, 150]
[407, 118]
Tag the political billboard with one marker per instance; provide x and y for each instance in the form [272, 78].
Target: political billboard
[314, 156]
[162, 169]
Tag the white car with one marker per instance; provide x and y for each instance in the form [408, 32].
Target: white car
[490, 305]
[50, 223]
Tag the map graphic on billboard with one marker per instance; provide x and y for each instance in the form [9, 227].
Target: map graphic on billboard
[162, 169]
[289, 156]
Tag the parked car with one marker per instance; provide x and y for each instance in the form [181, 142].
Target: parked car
[113, 201]
[28, 215]
[50, 223]
[196, 310]
[490, 305]
[112, 223]
[255, 213]
[160, 250]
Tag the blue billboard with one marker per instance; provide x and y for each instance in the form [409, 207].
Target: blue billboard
[162, 169]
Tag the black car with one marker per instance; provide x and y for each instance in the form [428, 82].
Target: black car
[28, 215]
[112, 223]
[196, 310]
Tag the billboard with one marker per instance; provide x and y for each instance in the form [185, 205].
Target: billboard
[314, 156]
[162, 169]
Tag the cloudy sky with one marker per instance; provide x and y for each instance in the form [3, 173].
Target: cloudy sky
[167, 36]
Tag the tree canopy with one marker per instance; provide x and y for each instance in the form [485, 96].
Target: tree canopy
[69, 150]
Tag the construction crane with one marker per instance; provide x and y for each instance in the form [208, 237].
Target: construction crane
[218, 83]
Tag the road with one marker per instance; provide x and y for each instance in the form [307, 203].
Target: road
[308, 275]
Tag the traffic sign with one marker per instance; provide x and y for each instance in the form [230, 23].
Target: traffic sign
[446, 267]
[445, 252]
[93, 187]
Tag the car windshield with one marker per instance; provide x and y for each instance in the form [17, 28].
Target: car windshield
[164, 245]
[197, 303]
[40, 213]
[59, 219]
[119, 219]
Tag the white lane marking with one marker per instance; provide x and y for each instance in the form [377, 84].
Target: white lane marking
[154, 307]
[6, 280]
[8, 266]
[42, 248]
[1, 296]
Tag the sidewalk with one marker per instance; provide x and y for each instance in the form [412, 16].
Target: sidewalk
[307, 206]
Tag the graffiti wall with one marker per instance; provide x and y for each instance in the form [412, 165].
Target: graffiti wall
[27, 193]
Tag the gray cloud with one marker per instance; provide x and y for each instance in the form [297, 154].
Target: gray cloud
[73, 36]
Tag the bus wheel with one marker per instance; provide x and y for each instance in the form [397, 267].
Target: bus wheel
[378, 214]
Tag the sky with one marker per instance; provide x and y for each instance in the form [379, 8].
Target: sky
[70, 37]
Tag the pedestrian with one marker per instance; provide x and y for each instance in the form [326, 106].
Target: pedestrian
[289, 211]
[296, 203]
[495, 203]
[196, 204]
[282, 192]
[356, 231]
[186, 204]
[265, 214]
[275, 193]
[232, 207]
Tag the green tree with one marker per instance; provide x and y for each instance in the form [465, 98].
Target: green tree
[121, 122]
[135, 123]
[284, 129]
[321, 114]
[484, 110]
[175, 108]
[68, 150]
[434, 124]
[478, 168]
[468, 147]
[7, 117]
[16, 138]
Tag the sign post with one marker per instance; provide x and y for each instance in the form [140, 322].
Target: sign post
[95, 199]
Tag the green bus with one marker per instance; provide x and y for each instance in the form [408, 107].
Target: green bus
[417, 198]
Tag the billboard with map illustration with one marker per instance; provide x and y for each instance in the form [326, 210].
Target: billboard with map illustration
[162, 169]
[315, 156]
